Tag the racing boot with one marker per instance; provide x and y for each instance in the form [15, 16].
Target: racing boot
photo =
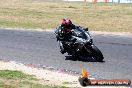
[63, 51]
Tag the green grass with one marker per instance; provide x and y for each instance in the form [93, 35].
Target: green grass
[17, 79]
[15, 75]
[26, 85]
[48, 14]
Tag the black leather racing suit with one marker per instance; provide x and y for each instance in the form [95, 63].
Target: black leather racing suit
[64, 36]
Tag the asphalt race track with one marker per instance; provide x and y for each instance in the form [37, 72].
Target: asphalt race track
[41, 48]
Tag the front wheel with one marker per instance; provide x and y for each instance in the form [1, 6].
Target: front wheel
[96, 53]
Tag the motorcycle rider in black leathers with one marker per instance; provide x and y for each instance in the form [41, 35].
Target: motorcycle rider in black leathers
[64, 33]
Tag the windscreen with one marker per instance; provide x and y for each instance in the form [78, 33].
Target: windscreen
[80, 33]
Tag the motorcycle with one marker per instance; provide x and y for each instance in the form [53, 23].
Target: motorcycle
[82, 46]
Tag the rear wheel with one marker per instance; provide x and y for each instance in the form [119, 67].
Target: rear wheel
[96, 53]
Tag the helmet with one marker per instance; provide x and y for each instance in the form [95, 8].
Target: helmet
[66, 24]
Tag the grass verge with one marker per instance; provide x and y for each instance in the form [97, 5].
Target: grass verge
[17, 79]
[47, 14]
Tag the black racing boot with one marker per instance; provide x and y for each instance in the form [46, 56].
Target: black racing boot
[63, 51]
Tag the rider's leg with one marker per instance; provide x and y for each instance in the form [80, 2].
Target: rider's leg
[62, 48]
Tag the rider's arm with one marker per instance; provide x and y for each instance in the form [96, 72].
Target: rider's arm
[58, 33]
[57, 30]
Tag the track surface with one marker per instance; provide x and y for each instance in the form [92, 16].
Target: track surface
[41, 48]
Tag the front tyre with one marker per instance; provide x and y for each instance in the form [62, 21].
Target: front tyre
[96, 53]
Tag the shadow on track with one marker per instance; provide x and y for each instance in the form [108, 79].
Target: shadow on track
[83, 59]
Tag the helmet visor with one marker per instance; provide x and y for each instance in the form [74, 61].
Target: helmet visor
[67, 26]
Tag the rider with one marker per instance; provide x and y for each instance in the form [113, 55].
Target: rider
[64, 33]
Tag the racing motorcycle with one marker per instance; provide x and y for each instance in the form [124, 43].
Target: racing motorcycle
[82, 46]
